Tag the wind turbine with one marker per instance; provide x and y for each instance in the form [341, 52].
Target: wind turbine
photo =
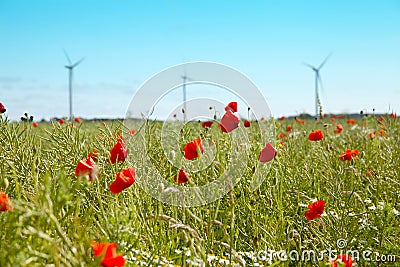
[70, 68]
[317, 80]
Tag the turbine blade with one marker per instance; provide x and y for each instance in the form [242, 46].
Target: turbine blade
[66, 55]
[78, 62]
[325, 60]
[309, 65]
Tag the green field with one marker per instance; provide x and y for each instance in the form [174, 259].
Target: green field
[56, 216]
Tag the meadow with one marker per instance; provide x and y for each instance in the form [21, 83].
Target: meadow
[54, 218]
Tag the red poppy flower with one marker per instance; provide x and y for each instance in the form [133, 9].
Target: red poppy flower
[340, 116]
[98, 248]
[339, 129]
[370, 173]
[229, 122]
[281, 135]
[174, 115]
[78, 120]
[316, 135]
[182, 177]
[5, 203]
[61, 121]
[268, 153]
[349, 155]
[206, 124]
[35, 125]
[332, 119]
[110, 258]
[87, 168]
[132, 132]
[393, 115]
[382, 132]
[192, 149]
[2, 108]
[333, 116]
[343, 258]
[94, 155]
[289, 128]
[246, 123]
[351, 122]
[300, 121]
[315, 210]
[232, 106]
[118, 152]
[282, 118]
[282, 143]
[123, 180]
[371, 135]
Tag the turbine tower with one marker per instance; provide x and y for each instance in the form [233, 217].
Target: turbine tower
[317, 80]
[70, 68]
[185, 79]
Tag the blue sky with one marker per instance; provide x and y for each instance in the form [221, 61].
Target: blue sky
[126, 42]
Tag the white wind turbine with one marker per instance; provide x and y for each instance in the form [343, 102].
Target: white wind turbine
[70, 68]
[317, 80]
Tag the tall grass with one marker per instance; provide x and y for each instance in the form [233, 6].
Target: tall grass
[56, 215]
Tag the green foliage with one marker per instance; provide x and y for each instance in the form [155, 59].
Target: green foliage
[56, 215]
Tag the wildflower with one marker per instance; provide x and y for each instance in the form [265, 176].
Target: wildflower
[339, 129]
[340, 116]
[182, 177]
[78, 120]
[5, 203]
[351, 122]
[246, 123]
[382, 133]
[61, 121]
[371, 135]
[123, 180]
[370, 173]
[344, 259]
[333, 119]
[349, 155]
[110, 258]
[232, 106]
[174, 115]
[206, 124]
[118, 152]
[316, 135]
[193, 149]
[94, 155]
[315, 210]
[98, 248]
[300, 121]
[35, 125]
[229, 122]
[289, 128]
[268, 153]
[281, 135]
[393, 115]
[282, 118]
[87, 168]
[132, 132]
[2, 108]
